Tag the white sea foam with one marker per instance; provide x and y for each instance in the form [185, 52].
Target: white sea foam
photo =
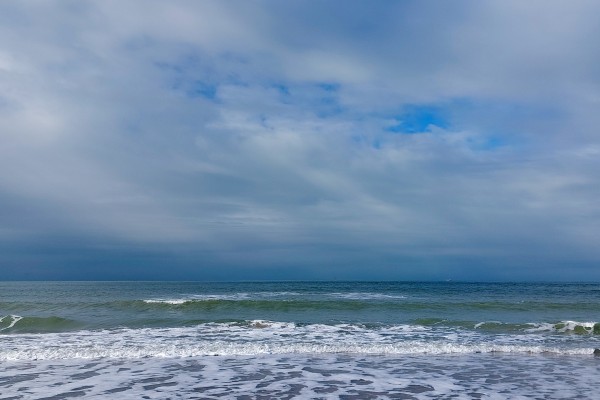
[268, 337]
[275, 295]
[198, 298]
[306, 376]
[166, 301]
[366, 296]
[564, 327]
[13, 320]
[480, 324]
[280, 294]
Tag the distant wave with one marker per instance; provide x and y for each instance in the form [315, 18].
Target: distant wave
[199, 298]
[274, 296]
[341, 301]
[225, 303]
[366, 296]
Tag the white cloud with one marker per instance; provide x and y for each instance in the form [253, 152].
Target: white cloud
[259, 129]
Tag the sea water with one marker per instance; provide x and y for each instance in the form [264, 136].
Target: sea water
[161, 340]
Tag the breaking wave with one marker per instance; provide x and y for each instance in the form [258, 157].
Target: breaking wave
[256, 337]
[19, 324]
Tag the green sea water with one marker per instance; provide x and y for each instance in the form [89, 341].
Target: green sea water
[495, 307]
[297, 317]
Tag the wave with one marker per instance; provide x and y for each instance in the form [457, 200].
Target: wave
[253, 349]
[15, 324]
[255, 337]
[366, 296]
[221, 303]
[11, 320]
[199, 298]
[11, 324]
[287, 297]
[341, 301]
[569, 327]
[258, 337]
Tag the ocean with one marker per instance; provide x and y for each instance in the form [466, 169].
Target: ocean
[312, 340]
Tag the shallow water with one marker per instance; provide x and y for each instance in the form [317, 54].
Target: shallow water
[343, 376]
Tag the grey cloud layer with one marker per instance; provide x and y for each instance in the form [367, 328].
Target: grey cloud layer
[252, 140]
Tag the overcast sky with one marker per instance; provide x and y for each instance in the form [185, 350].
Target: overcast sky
[236, 140]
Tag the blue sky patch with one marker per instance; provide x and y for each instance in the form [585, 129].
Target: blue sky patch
[284, 90]
[417, 119]
[202, 89]
[329, 87]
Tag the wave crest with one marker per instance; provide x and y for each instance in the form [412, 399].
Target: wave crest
[18, 324]
[592, 328]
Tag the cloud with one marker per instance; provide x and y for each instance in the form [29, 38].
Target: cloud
[240, 140]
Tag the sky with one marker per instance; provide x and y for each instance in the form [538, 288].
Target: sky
[286, 140]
